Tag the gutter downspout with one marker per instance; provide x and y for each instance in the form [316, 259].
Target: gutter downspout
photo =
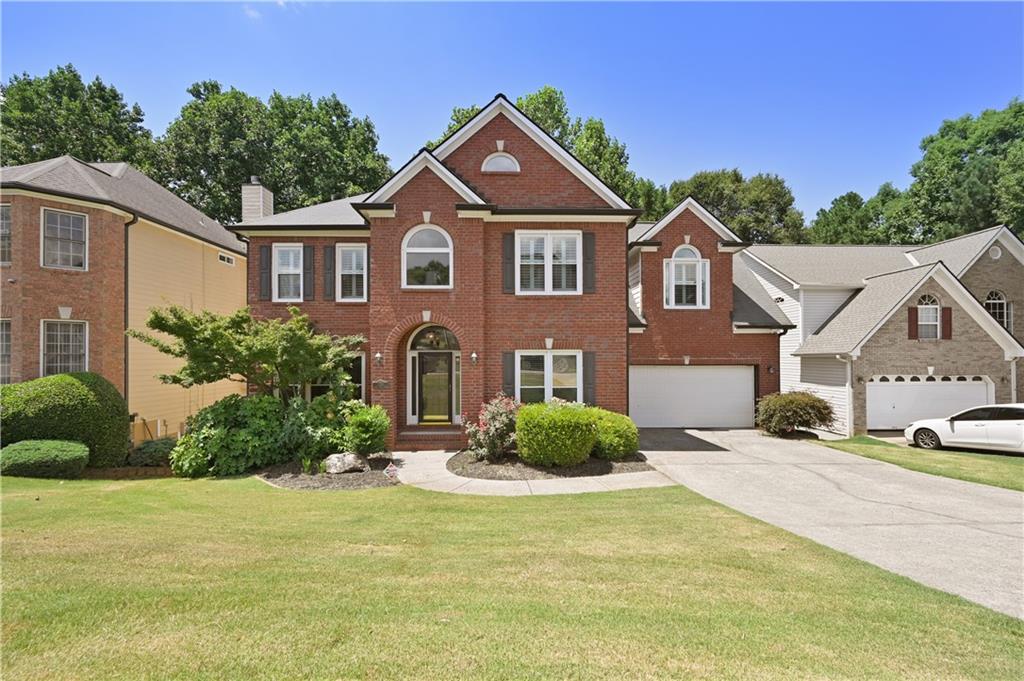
[135, 218]
[849, 396]
[1013, 379]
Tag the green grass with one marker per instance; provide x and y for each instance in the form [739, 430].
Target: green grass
[173, 579]
[1000, 470]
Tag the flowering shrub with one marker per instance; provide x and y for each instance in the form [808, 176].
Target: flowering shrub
[494, 433]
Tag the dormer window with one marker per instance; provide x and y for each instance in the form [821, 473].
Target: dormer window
[686, 279]
[500, 162]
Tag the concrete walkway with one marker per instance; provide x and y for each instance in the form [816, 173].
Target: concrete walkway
[960, 537]
[428, 470]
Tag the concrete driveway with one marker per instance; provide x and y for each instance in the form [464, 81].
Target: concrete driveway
[961, 537]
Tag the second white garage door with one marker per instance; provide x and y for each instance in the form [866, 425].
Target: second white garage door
[692, 396]
[893, 405]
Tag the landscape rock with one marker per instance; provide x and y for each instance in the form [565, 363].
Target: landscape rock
[346, 463]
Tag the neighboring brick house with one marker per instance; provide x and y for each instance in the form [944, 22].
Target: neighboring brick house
[86, 249]
[497, 262]
[892, 334]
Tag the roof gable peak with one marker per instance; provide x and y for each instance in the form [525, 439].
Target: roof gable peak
[423, 159]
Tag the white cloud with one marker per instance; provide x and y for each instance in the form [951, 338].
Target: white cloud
[252, 12]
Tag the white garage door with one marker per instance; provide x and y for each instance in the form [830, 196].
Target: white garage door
[692, 396]
[894, 405]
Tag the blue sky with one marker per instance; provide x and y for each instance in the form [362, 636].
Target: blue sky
[832, 97]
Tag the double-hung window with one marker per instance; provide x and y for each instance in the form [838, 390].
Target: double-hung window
[65, 347]
[999, 308]
[5, 234]
[287, 274]
[686, 279]
[548, 262]
[65, 238]
[351, 261]
[928, 317]
[5, 351]
[544, 374]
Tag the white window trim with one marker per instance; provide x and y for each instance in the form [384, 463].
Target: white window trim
[501, 154]
[225, 259]
[451, 258]
[339, 248]
[42, 342]
[42, 240]
[1007, 308]
[274, 272]
[938, 319]
[548, 371]
[549, 261]
[8, 262]
[703, 281]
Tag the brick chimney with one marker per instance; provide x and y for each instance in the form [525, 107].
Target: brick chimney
[257, 200]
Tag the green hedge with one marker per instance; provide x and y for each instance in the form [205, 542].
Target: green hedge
[153, 452]
[80, 407]
[556, 434]
[781, 413]
[617, 435]
[231, 436]
[44, 459]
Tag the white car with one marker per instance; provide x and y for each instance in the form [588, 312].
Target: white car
[997, 426]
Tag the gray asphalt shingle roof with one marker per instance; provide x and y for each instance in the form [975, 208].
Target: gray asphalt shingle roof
[339, 212]
[122, 186]
[831, 265]
[956, 253]
[751, 304]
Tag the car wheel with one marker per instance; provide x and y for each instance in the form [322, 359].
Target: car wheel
[927, 439]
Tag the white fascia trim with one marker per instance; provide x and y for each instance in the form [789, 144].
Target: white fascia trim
[502, 106]
[700, 211]
[304, 232]
[1006, 240]
[423, 160]
[488, 216]
[747, 329]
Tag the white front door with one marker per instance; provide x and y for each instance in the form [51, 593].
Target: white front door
[692, 396]
[893, 405]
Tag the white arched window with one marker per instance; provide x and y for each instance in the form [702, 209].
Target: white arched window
[995, 303]
[427, 258]
[686, 279]
[928, 317]
[500, 162]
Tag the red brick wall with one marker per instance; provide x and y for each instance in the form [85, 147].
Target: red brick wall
[95, 296]
[542, 181]
[705, 335]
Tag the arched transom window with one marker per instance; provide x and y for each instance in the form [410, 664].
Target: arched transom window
[995, 303]
[500, 162]
[686, 279]
[427, 258]
[928, 317]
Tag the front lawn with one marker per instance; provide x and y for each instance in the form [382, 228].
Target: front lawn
[1001, 470]
[234, 579]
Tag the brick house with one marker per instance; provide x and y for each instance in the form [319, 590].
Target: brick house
[86, 249]
[498, 262]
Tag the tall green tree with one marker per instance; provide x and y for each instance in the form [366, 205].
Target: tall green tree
[59, 114]
[758, 209]
[306, 151]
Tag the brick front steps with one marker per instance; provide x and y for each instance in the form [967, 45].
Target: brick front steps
[420, 438]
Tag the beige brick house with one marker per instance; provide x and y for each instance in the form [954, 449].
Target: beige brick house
[892, 334]
[86, 249]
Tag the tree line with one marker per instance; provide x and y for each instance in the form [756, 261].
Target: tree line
[970, 175]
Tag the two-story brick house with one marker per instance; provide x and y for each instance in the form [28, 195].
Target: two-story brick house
[498, 262]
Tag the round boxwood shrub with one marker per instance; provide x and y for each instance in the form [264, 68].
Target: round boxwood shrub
[153, 452]
[44, 459]
[781, 413]
[231, 436]
[80, 407]
[617, 435]
[555, 434]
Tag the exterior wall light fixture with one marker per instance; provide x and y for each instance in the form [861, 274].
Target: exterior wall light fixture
[378, 359]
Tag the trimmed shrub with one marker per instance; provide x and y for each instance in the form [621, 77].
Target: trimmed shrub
[781, 413]
[617, 435]
[494, 433]
[81, 407]
[555, 434]
[231, 436]
[44, 459]
[367, 430]
[312, 430]
[153, 452]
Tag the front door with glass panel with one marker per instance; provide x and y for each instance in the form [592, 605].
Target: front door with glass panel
[435, 382]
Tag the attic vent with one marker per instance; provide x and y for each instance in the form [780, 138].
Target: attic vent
[995, 252]
[779, 299]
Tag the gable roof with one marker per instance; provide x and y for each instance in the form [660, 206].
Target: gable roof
[700, 211]
[121, 186]
[500, 105]
[340, 212]
[424, 159]
[867, 311]
[963, 251]
[832, 265]
[752, 307]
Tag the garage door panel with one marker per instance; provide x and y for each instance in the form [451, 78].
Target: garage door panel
[894, 405]
[692, 396]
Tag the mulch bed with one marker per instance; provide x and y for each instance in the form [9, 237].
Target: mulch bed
[512, 468]
[290, 475]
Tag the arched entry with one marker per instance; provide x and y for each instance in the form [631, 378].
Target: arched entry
[434, 368]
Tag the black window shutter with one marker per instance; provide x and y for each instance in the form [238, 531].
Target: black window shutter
[589, 262]
[264, 266]
[508, 262]
[366, 273]
[328, 273]
[590, 377]
[508, 373]
[307, 272]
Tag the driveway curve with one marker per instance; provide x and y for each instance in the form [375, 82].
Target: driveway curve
[960, 537]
